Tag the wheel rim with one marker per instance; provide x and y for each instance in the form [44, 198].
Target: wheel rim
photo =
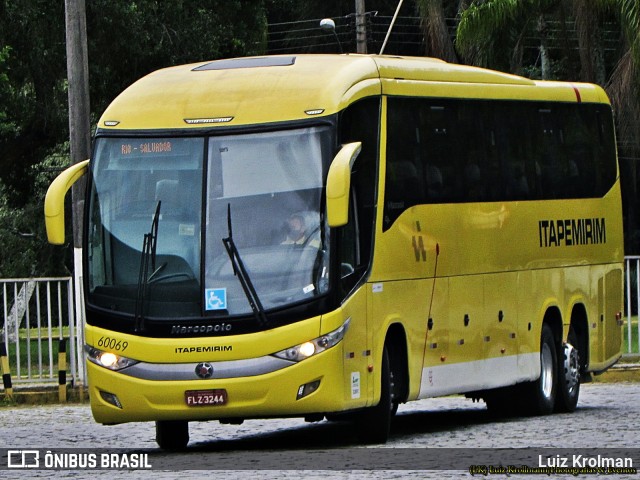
[571, 367]
[546, 376]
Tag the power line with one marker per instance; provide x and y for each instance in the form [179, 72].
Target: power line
[408, 36]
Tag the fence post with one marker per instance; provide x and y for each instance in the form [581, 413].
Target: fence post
[62, 371]
[637, 298]
[627, 265]
[6, 373]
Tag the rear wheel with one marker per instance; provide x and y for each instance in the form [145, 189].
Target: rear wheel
[172, 434]
[540, 395]
[374, 423]
[568, 375]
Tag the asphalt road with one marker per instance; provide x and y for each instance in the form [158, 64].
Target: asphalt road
[451, 432]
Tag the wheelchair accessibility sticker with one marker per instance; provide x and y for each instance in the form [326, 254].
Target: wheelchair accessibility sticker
[215, 298]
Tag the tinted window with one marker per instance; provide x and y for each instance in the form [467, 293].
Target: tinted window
[451, 151]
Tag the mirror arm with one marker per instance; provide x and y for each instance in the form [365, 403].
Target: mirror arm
[339, 184]
[54, 201]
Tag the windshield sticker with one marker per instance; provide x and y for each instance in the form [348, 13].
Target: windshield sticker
[215, 298]
[188, 230]
[308, 288]
[355, 384]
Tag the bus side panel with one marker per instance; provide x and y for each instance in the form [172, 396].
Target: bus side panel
[405, 302]
[605, 329]
[535, 293]
[438, 340]
[500, 326]
[358, 385]
[613, 308]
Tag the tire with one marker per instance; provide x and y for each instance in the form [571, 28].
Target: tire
[374, 423]
[172, 434]
[539, 396]
[568, 389]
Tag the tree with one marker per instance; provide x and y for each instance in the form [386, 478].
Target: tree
[437, 38]
[35, 104]
[624, 84]
[588, 21]
[130, 39]
[488, 31]
[477, 42]
[126, 41]
[624, 90]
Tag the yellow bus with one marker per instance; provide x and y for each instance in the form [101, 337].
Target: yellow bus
[329, 236]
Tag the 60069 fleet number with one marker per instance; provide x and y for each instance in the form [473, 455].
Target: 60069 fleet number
[112, 344]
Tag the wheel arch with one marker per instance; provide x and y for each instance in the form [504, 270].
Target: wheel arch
[580, 325]
[553, 318]
[396, 342]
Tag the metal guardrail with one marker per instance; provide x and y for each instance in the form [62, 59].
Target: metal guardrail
[632, 276]
[39, 330]
[39, 313]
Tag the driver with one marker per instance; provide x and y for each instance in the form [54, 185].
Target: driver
[298, 232]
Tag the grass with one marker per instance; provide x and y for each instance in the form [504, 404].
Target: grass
[31, 351]
[35, 371]
[634, 336]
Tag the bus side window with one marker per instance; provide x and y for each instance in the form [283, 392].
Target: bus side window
[404, 182]
[360, 123]
[439, 152]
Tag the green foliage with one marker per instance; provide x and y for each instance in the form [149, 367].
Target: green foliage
[130, 39]
[5, 88]
[26, 251]
[488, 30]
[126, 40]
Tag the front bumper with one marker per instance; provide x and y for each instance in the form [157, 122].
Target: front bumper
[271, 394]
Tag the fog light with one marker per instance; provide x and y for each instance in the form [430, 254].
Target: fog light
[307, 389]
[111, 399]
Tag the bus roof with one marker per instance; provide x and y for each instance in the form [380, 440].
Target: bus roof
[259, 90]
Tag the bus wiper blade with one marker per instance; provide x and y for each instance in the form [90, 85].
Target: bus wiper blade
[241, 272]
[149, 244]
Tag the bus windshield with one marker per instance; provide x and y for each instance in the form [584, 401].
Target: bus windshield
[184, 196]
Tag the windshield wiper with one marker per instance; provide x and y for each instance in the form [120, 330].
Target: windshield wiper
[149, 244]
[241, 272]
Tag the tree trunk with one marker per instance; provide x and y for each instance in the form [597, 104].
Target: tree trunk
[545, 62]
[18, 310]
[437, 39]
[589, 42]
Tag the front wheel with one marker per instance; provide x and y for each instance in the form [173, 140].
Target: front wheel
[374, 423]
[172, 434]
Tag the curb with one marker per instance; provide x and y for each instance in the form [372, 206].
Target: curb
[49, 394]
[43, 395]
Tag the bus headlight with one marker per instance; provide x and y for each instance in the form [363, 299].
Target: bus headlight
[109, 360]
[304, 350]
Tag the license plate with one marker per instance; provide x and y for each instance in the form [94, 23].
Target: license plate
[205, 398]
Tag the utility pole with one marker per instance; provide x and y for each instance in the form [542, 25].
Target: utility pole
[361, 27]
[79, 130]
[78, 79]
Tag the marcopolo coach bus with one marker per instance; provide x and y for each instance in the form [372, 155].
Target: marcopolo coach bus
[329, 236]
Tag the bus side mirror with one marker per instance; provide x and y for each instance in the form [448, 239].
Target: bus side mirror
[339, 184]
[54, 201]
